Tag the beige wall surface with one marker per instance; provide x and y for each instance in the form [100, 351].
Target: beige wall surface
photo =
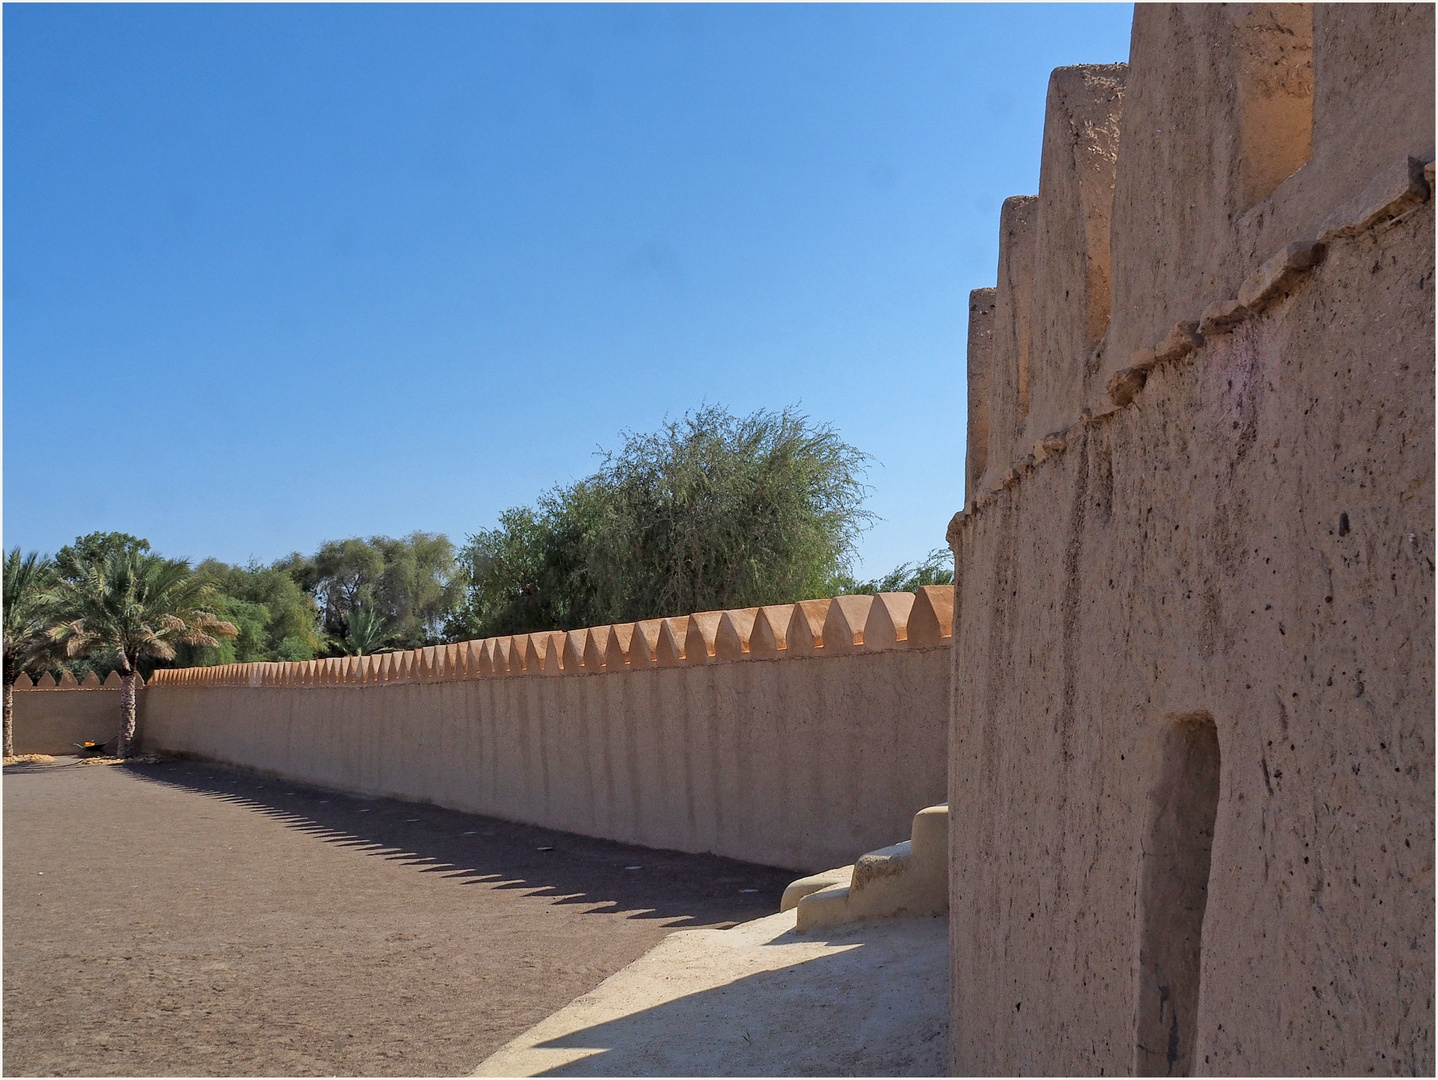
[53, 721]
[801, 762]
[1253, 540]
[1192, 764]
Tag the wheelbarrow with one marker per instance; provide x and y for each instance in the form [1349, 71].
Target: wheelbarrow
[92, 747]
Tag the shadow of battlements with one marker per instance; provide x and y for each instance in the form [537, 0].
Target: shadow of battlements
[604, 876]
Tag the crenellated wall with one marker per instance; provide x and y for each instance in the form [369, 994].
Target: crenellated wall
[56, 718]
[792, 735]
[1192, 765]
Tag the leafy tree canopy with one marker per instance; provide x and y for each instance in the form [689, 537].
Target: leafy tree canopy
[275, 618]
[937, 569]
[91, 550]
[712, 511]
[409, 585]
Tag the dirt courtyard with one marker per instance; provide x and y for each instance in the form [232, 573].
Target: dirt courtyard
[184, 919]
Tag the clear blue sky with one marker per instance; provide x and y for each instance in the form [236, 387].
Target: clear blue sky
[275, 275]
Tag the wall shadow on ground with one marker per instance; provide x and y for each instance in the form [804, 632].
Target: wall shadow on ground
[682, 889]
[831, 1015]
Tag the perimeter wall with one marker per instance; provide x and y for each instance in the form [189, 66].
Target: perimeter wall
[798, 736]
[1191, 773]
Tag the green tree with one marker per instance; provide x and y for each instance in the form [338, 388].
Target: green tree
[937, 569]
[412, 585]
[275, 618]
[712, 511]
[29, 618]
[367, 633]
[139, 606]
[71, 562]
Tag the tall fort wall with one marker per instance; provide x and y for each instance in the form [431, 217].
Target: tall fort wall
[1191, 754]
[795, 736]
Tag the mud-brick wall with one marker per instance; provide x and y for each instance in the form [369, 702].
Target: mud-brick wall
[1192, 752]
[800, 762]
[53, 721]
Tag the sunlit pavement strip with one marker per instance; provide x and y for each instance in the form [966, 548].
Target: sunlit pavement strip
[758, 1000]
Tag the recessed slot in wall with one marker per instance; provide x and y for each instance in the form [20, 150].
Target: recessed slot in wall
[1274, 53]
[1173, 892]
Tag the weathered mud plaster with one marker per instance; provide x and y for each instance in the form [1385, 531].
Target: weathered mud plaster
[1191, 781]
[795, 762]
[980, 395]
[53, 721]
[1009, 366]
[1070, 304]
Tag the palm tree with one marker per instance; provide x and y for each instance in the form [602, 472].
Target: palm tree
[29, 617]
[368, 632]
[140, 605]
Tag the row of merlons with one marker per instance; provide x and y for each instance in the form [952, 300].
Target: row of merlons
[845, 624]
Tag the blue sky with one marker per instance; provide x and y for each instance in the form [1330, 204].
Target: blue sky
[281, 274]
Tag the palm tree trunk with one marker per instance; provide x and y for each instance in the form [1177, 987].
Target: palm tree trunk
[9, 719]
[127, 714]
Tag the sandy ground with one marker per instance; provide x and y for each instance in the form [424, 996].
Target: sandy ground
[870, 999]
[182, 919]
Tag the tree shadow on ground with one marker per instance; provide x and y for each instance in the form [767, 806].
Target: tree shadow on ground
[605, 876]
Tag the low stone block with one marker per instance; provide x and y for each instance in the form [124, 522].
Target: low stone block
[1124, 385]
[1279, 274]
[1222, 316]
[1394, 191]
[1183, 339]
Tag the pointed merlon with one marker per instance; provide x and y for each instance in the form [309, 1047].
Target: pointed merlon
[91, 682]
[770, 635]
[576, 642]
[731, 640]
[553, 651]
[617, 649]
[844, 624]
[507, 658]
[596, 647]
[67, 682]
[888, 624]
[932, 620]
[113, 679]
[669, 650]
[701, 637]
[644, 644]
[806, 627]
[22, 682]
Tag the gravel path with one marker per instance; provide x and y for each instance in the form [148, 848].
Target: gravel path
[184, 919]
